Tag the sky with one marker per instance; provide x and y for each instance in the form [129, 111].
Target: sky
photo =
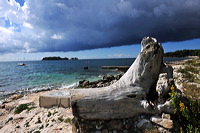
[88, 29]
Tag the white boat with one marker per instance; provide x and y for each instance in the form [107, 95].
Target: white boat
[21, 64]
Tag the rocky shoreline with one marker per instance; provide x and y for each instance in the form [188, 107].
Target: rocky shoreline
[57, 119]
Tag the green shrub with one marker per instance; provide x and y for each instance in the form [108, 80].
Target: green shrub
[193, 62]
[68, 120]
[187, 112]
[20, 108]
[192, 91]
[61, 119]
[187, 73]
[49, 114]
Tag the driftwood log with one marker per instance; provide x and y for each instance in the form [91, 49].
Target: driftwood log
[128, 96]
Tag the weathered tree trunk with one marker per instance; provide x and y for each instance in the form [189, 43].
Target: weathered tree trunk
[127, 97]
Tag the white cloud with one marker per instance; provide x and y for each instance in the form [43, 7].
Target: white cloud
[56, 37]
[90, 24]
[27, 25]
[119, 56]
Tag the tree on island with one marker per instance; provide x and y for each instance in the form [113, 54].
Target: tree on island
[55, 58]
[74, 58]
[183, 53]
[59, 58]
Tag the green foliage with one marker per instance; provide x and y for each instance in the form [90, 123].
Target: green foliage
[68, 120]
[186, 111]
[59, 58]
[22, 107]
[194, 62]
[183, 53]
[49, 114]
[61, 119]
[54, 112]
[55, 58]
[192, 91]
[188, 73]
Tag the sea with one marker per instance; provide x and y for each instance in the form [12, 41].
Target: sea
[46, 75]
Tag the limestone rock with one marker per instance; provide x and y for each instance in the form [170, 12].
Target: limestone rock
[127, 97]
[163, 122]
[162, 86]
[144, 124]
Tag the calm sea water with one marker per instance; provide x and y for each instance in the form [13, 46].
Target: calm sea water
[38, 75]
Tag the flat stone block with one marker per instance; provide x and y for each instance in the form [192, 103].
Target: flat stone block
[60, 98]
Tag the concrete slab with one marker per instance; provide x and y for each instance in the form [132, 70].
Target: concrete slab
[60, 98]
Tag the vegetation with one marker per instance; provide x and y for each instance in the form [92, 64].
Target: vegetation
[59, 58]
[68, 120]
[22, 107]
[55, 58]
[191, 70]
[187, 105]
[188, 73]
[74, 58]
[192, 91]
[187, 112]
[183, 53]
[194, 62]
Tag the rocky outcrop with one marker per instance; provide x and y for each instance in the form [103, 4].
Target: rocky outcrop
[130, 95]
[138, 124]
[106, 81]
[143, 89]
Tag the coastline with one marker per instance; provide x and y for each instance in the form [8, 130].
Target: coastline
[37, 119]
[181, 62]
[43, 119]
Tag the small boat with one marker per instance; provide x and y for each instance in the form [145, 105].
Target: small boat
[21, 64]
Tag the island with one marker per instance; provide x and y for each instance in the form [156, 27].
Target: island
[55, 58]
[183, 53]
[74, 58]
[59, 58]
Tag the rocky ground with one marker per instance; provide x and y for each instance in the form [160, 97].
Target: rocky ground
[53, 120]
[187, 77]
[35, 120]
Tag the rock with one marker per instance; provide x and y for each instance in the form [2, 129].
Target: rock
[166, 107]
[105, 131]
[85, 83]
[17, 126]
[115, 125]
[2, 106]
[162, 86]
[108, 78]
[86, 67]
[166, 123]
[126, 97]
[9, 119]
[162, 130]
[166, 116]
[144, 124]
[13, 97]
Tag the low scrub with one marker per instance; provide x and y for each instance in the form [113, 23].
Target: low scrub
[194, 62]
[192, 91]
[22, 107]
[187, 112]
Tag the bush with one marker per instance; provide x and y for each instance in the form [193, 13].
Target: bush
[22, 107]
[187, 112]
[192, 91]
[188, 73]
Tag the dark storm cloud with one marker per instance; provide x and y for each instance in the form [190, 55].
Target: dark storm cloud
[72, 25]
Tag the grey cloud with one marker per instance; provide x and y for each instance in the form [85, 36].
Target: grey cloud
[73, 25]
